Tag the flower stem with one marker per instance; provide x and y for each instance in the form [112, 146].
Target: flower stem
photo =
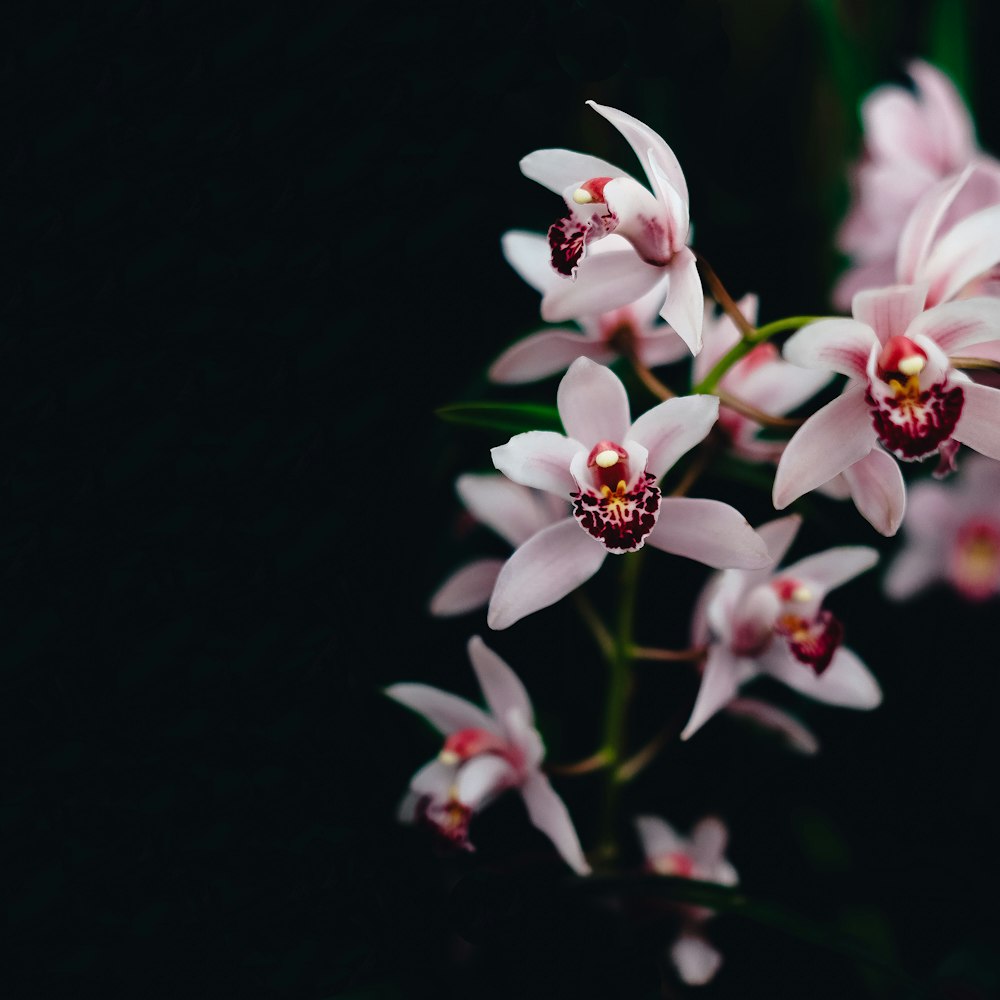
[719, 293]
[692, 655]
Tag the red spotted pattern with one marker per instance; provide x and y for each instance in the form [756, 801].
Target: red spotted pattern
[815, 642]
[915, 424]
[619, 518]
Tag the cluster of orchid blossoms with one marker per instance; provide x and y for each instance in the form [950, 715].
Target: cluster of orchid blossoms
[616, 271]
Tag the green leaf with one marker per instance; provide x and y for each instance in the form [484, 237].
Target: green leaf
[948, 42]
[511, 417]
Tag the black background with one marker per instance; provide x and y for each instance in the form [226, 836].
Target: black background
[246, 251]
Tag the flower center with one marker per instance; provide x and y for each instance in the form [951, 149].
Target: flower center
[449, 820]
[812, 642]
[591, 192]
[974, 565]
[466, 743]
[673, 863]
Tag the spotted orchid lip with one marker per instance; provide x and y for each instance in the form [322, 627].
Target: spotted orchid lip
[812, 643]
[619, 518]
[914, 423]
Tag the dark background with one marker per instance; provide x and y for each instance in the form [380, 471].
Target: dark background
[246, 251]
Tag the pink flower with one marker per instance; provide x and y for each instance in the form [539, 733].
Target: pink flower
[701, 857]
[608, 467]
[902, 392]
[515, 513]
[952, 533]
[912, 141]
[773, 623]
[606, 335]
[484, 754]
[760, 378]
[647, 231]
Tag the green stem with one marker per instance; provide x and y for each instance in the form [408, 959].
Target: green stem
[619, 688]
[746, 345]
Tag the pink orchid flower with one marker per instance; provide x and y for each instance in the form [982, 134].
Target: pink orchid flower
[761, 378]
[606, 335]
[647, 231]
[902, 393]
[952, 534]
[773, 623]
[912, 141]
[484, 754]
[702, 857]
[515, 513]
[608, 467]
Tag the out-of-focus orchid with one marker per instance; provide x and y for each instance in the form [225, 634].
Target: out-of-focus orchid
[772, 622]
[776, 720]
[628, 330]
[912, 141]
[902, 392]
[646, 231]
[608, 467]
[515, 513]
[484, 754]
[702, 857]
[952, 534]
[761, 378]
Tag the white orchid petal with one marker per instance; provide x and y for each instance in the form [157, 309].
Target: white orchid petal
[879, 492]
[708, 531]
[593, 404]
[548, 813]
[466, 589]
[445, 711]
[684, 308]
[558, 169]
[979, 425]
[835, 345]
[501, 687]
[545, 353]
[672, 428]
[506, 507]
[540, 459]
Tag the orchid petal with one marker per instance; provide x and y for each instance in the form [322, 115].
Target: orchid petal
[604, 281]
[833, 438]
[658, 837]
[776, 387]
[954, 326]
[777, 719]
[466, 589]
[949, 122]
[506, 507]
[593, 404]
[835, 345]
[540, 459]
[684, 308]
[723, 675]
[548, 813]
[708, 841]
[912, 571]
[543, 570]
[969, 248]
[697, 961]
[834, 567]
[660, 346]
[708, 531]
[846, 682]
[444, 711]
[433, 780]
[639, 219]
[529, 254]
[923, 223]
[672, 428]
[544, 353]
[979, 425]
[501, 687]
[878, 490]
[482, 778]
[558, 169]
[889, 311]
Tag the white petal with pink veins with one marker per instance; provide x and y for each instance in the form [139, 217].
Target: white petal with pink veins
[955, 326]
[540, 459]
[528, 253]
[672, 428]
[501, 687]
[684, 308]
[446, 712]
[466, 589]
[697, 961]
[833, 438]
[640, 219]
[482, 778]
[846, 681]
[922, 226]
[544, 570]
[979, 425]
[832, 345]
[878, 490]
[548, 813]
[604, 281]
[889, 311]
[720, 681]
[593, 404]
[948, 119]
[708, 531]
[546, 353]
[833, 568]
[969, 248]
[509, 509]
[558, 169]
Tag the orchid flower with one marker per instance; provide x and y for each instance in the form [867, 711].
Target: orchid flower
[484, 754]
[952, 533]
[772, 622]
[902, 392]
[646, 231]
[626, 330]
[608, 467]
[912, 141]
[702, 857]
[515, 513]
[761, 378]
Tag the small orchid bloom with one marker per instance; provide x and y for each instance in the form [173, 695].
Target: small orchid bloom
[761, 378]
[902, 393]
[952, 534]
[608, 467]
[484, 754]
[647, 231]
[515, 513]
[702, 857]
[626, 330]
[913, 140]
[773, 622]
